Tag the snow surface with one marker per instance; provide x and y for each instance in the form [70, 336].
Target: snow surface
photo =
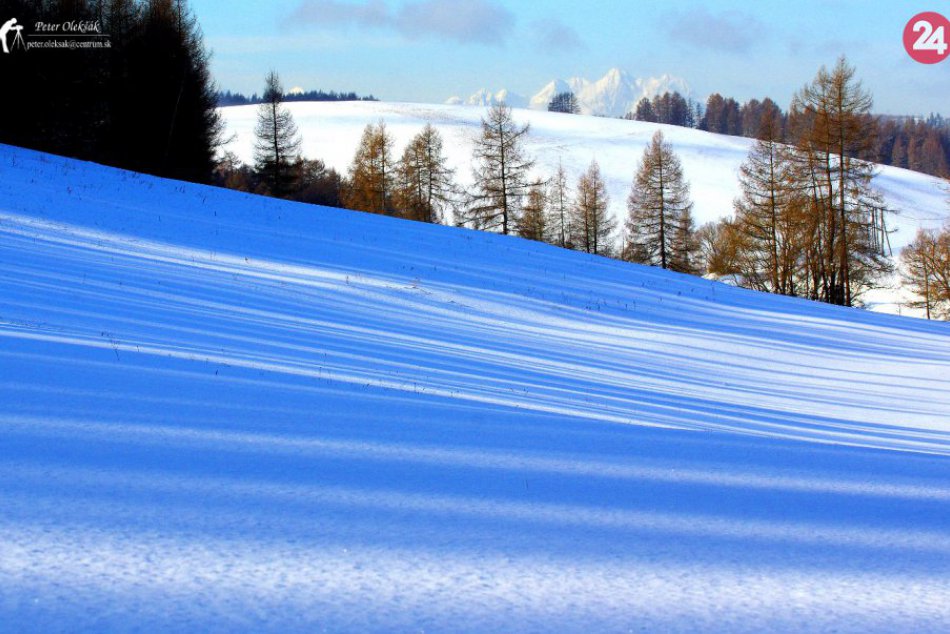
[228, 413]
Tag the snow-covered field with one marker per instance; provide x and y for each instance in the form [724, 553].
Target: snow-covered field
[331, 132]
[228, 413]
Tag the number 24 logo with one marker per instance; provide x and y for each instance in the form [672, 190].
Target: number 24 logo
[925, 37]
[930, 39]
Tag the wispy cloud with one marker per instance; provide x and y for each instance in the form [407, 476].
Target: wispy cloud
[727, 32]
[465, 21]
[334, 13]
[554, 34]
[243, 45]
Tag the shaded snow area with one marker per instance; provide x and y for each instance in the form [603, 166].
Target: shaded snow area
[228, 413]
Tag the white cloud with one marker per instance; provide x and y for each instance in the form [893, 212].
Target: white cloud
[465, 21]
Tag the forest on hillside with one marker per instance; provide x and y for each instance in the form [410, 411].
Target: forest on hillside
[917, 143]
[228, 98]
[809, 223]
[145, 103]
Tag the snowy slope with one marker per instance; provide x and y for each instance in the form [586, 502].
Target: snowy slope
[221, 412]
[331, 131]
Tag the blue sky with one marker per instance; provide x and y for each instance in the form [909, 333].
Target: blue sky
[429, 50]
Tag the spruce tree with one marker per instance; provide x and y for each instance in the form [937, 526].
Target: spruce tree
[277, 146]
[371, 183]
[425, 186]
[831, 122]
[559, 209]
[686, 248]
[768, 212]
[591, 223]
[713, 117]
[501, 173]
[899, 153]
[671, 108]
[659, 209]
[533, 222]
[316, 184]
[565, 102]
[193, 129]
[644, 111]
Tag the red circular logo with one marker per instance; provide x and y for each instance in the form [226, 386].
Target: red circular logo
[925, 37]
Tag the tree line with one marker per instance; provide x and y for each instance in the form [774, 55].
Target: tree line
[808, 222]
[145, 103]
[670, 108]
[922, 145]
[919, 144]
[419, 185]
[228, 98]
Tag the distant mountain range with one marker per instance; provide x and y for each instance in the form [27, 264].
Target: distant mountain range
[613, 95]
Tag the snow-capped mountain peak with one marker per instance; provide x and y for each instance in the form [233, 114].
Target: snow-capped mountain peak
[613, 95]
[652, 86]
[615, 77]
[544, 96]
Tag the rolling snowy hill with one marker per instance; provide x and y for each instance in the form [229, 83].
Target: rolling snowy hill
[331, 131]
[228, 413]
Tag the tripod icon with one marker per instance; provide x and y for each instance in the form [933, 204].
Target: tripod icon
[11, 25]
[18, 39]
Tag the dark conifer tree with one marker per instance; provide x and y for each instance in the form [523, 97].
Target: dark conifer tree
[644, 111]
[660, 223]
[671, 108]
[425, 186]
[316, 184]
[559, 209]
[711, 121]
[591, 223]
[565, 102]
[533, 222]
[278, 142]
[501, 173]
